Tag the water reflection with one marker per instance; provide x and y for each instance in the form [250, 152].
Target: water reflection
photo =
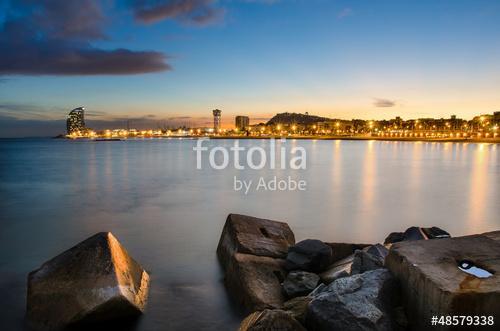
[478, 186]
[169, 215]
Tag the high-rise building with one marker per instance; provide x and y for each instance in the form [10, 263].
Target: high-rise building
[217, 119]
[242, 122]
[76, 122]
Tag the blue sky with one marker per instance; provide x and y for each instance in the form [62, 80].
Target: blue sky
[348, 59]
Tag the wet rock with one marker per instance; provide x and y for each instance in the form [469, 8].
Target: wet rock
[370, 258]
[394, 237]
[339, 269]
[432, 283]
[309, 255]
[359, 302]
[270, 320]
[94, 281]
[343, 250]
[298, 283]
[256, 236]
[297, 307]
[255, 281]
[435, 233]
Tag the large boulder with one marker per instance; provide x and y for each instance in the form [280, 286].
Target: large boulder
[309, 255]
[94, 281]
[359, 302]
[255, 281]
[433, 285]
[255, 236]
[270, 320]
[495, 235]
[299, 283]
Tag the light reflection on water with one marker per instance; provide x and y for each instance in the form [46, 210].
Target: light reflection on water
[169, 215]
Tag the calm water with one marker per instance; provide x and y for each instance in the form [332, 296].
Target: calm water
[169, 215]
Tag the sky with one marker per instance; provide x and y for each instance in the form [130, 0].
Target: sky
[170, 62]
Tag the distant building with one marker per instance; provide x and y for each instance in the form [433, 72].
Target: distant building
[217, 119]
[242, 122]
[496, 116]
[76, 121]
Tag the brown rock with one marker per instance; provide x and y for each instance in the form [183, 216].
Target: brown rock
[270, 320]
[297, 307]
[255, 281]
[432, 284]
[495, 235]
[94, 281]
[256, 236]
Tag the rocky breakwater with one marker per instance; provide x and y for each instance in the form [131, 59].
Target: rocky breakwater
[315, 285]
[95, 281]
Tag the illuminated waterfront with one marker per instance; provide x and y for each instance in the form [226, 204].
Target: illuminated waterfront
[169, 215]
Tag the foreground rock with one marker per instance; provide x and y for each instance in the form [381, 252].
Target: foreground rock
[255, 281]
[297, 307]
[359, 302]
[94, 281]
[309, 255]
[255, 236]
[270, 320]
[432, 283]
[300, 283]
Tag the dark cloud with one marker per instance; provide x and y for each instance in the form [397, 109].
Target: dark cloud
[383, 103]
[49, 37]
[199, 12]
[69, 19]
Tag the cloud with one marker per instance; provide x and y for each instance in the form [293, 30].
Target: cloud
[49, 37]
[383, 103]
[344, 13]
[198, 12]
[29, 111]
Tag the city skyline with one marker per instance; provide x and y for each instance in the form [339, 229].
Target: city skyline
[148, 64]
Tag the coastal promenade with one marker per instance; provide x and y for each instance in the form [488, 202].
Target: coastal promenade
[416, 139]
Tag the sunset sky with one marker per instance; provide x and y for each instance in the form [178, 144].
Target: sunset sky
[156, 62]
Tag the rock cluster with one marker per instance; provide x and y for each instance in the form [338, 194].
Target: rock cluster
[92, 282]
[312, 285]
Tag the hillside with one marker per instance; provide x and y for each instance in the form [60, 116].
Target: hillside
[295, 118]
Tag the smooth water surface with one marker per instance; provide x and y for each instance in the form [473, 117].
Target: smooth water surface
[169, 215]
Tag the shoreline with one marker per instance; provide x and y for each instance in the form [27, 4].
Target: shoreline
[360, 138]
[405, 139]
